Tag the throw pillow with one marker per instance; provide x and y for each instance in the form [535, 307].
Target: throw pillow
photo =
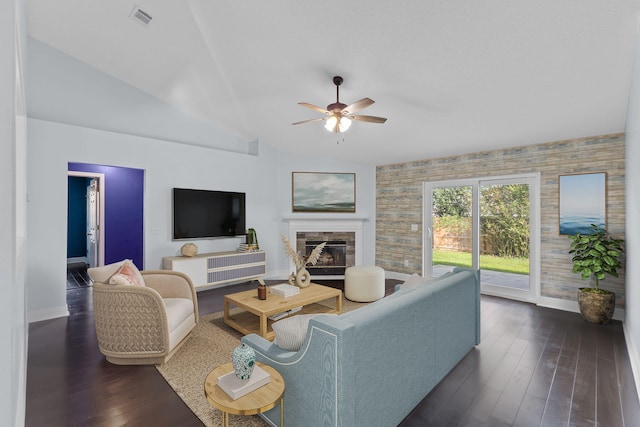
[413, 282]
[128, 274]
[290, 332]
[416, 281]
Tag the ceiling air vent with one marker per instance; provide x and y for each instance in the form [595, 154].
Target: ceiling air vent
[140, 16]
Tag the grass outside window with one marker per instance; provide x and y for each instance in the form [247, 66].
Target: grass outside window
[487, 262]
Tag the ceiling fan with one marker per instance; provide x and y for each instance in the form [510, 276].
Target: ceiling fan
[338, 115]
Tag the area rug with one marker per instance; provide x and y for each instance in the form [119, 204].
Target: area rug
[209, 346]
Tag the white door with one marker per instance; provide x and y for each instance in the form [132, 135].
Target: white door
[93, 223]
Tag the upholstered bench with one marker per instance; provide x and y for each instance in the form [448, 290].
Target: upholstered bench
[364, 283]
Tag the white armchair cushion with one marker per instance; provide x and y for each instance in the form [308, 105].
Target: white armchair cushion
[178, 309]
[180, 318]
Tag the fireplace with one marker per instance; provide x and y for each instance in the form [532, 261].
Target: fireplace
[328, 230]
[337, 255]
[332, 260]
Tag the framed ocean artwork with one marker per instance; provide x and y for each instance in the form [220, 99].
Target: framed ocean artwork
[323, 192]
[582, 202]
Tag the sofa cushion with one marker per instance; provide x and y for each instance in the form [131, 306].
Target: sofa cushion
[127, 274]
[290, 332]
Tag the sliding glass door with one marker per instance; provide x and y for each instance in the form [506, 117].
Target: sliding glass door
[451, 228]
[488, 224]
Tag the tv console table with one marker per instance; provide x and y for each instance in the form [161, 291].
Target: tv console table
[217, 268]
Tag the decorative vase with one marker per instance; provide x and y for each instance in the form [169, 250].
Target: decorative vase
[303, 278]
[252, 240]
[262, 292]
[243, 359]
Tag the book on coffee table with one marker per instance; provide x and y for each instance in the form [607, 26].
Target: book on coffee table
[284, 314]
[284, 290]
[237, 388]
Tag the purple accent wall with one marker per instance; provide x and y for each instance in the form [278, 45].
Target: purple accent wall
[123, 211]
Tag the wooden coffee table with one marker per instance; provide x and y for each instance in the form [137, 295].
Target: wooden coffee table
[254, 316]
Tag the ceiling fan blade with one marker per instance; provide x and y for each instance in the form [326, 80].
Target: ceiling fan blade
[314, 107]
[357, 106]
[310, 120]
[370, 119]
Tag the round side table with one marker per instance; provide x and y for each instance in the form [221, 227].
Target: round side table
[255, 402]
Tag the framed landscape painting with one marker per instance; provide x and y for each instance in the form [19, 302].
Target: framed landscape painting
[582, 202]
[323, 192]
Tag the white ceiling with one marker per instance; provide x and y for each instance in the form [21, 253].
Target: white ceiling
[451, 76]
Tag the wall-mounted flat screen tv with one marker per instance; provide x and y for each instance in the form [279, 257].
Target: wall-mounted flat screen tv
[204, 214]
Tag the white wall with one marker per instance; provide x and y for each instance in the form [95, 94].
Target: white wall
[265, 176]
[65, 90]
[13, 328]
[632, 184]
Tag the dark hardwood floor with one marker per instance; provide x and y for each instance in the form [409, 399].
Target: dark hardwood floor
[534, 367]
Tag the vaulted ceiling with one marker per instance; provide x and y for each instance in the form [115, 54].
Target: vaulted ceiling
[451, 76]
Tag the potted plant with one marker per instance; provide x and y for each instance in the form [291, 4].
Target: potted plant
[596, 254]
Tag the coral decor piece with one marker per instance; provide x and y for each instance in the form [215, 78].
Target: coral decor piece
[301, 277]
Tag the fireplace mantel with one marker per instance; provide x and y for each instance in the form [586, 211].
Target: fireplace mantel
[329, 224]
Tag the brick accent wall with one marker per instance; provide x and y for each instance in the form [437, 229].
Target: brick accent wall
[399, 202]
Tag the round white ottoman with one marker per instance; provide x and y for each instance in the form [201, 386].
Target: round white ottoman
[364, 283]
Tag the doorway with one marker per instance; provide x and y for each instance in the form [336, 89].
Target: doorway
[121, 203]
[489, 224]
[85, 218]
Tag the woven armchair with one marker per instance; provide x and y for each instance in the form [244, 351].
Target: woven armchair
[140, 325]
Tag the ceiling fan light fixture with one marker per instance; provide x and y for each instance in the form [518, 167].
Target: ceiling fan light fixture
[343, 124]
[338, 115]
[330, 124]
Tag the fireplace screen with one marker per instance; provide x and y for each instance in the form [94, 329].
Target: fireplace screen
[332, 260]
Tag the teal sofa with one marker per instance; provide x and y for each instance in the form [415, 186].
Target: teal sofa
[372, 366]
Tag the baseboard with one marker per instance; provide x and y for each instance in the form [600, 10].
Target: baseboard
[47, 313]
[76, 260]
[21, 401]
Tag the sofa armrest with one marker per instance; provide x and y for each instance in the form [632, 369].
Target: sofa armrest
[267, 348]
[316, 376]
